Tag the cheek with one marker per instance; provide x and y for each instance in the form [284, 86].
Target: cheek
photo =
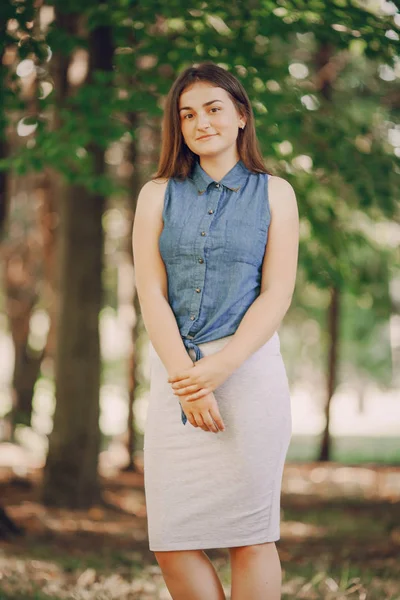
[227, 123]
[186, 127]
[184, 130]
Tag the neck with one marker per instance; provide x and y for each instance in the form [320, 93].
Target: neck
[218, 166]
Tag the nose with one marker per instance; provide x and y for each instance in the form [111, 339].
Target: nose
[203, 122]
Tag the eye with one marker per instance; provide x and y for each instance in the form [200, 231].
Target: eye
[188, 115]
[215, 108]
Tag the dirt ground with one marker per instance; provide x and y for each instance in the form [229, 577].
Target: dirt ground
[332, 546]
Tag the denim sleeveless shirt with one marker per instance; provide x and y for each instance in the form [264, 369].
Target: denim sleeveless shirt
[213, 244]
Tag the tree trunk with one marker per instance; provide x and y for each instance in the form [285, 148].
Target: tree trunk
[138, 332]
[333, 325]
[48, 193]
[22, 263]
[71, 468]
[71, 471]
[326, 74]
[28, 361]
[133, 363]
[22, 256]
[26, 372]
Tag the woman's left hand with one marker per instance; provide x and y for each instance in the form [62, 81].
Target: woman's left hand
[208, 373]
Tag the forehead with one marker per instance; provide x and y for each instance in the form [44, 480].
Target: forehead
[200, 92]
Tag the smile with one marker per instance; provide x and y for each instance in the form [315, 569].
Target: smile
[206, 137]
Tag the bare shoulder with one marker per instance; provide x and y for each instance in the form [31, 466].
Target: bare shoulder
[155, 188]
[282, 197]
[151, 196]
[160, 182]
[277, 186]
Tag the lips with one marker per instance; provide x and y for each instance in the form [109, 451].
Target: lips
[205, 137]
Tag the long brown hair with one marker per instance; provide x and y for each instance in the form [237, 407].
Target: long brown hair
[176, 159]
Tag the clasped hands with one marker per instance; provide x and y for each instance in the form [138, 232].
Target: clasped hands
[198, 383]
[202, 378]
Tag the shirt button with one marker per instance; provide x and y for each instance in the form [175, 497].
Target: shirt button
[192, 317]
[198, 290]
[201, 260]
[217, 185]
[203, 233]
[210, 212]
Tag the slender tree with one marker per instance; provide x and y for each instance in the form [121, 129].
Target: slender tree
[71, 475]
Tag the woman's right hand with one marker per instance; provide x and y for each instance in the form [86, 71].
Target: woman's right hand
[203, 412]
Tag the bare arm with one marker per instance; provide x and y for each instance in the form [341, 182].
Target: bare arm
[151, 279]
[278, 277]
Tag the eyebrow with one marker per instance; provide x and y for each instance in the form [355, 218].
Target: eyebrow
[205, 104]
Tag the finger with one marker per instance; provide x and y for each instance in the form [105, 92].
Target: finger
[180, 377]
[200, 422]
[183, 383]
[216, 415]
[200, 394]
[208, 420]
[186, 390]
[191, 419]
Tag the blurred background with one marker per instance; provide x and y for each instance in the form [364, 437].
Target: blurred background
[82, 91]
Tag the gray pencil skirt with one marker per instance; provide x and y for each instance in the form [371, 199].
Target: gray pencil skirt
[218, 490]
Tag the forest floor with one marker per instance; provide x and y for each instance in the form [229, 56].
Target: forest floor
[333, 545]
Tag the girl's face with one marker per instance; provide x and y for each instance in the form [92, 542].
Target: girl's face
[208, 111]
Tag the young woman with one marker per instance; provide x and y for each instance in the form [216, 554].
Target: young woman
[215, 244]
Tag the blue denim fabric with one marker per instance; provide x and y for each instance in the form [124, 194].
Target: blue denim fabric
[213, 244]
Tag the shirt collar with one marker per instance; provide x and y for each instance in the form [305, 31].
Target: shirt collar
[233, 180]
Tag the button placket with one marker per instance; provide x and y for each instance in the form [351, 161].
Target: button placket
[194, 309]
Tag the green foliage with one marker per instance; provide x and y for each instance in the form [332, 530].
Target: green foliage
[321, 77]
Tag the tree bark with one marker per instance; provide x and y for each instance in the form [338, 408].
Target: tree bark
[21, 255]
[326, 74]
[26, 372]
[71, 468]
[22, 264]
[71, 471]
[138, 333]
[133, 363]
[333, 328]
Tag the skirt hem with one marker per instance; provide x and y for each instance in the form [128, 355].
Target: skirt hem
[202, 545]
